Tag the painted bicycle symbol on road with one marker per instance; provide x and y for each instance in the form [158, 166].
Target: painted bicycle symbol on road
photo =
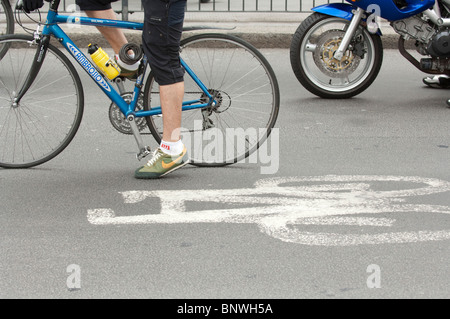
[282, 207]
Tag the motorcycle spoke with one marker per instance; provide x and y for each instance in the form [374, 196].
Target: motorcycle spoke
[310, 47]
[343, 81]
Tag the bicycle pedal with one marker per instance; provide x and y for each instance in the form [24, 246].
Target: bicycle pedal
[143, 153]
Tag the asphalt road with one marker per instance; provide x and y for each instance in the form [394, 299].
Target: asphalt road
[369, 176]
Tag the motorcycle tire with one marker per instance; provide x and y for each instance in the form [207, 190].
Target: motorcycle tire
[311, 55]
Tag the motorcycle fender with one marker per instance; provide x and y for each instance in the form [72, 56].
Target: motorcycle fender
[339, 10]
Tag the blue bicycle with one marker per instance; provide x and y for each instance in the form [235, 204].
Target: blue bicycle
[231, 96]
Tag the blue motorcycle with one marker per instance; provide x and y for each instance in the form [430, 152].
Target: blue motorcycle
[337, 52]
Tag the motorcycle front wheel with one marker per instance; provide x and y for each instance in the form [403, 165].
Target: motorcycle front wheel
[311, 53]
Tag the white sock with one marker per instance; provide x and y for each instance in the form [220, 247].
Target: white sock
[172, 148]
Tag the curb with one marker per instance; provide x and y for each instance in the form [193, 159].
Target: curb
[263, 30]
[259, 40]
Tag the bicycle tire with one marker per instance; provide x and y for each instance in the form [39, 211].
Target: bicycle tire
[48, 116]
[246, 88]
[6, 27]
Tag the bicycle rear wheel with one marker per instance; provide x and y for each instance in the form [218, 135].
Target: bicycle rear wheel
[6, 23]
[247, 92]
[49, 114]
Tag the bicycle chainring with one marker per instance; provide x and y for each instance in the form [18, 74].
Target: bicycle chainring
[118, 120]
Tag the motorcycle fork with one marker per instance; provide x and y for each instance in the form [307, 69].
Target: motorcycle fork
[349, 34]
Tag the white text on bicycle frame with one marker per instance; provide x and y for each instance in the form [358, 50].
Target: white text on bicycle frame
[81, 58]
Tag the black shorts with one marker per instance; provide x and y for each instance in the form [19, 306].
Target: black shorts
[94, 4]
[163, 26]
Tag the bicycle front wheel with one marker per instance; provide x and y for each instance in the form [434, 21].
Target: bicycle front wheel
[46, 119]
[6, 23]
[245, 88]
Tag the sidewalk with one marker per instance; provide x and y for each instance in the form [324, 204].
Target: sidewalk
[262, 29]
[268, 30]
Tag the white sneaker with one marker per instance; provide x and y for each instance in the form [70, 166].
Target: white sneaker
[437, 81]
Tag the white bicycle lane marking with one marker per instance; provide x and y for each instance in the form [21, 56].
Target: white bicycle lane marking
[276, 209]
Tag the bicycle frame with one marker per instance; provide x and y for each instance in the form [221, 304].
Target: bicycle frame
[52, 28]
[238, 111]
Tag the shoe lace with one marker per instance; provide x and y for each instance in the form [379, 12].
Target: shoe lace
[156, 155]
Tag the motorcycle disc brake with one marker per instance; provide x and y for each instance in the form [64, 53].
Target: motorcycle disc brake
[327, 45]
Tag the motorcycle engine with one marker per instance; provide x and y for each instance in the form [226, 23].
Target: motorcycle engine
[439, 46]
[414, 28]
[429, 41]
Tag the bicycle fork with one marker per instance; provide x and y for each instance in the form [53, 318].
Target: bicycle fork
[35, 67]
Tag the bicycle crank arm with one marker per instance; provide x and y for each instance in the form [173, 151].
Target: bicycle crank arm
[143, 150]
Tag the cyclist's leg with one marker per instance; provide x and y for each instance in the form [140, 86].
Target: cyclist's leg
[161, 42]
[102, 10]
[115, 37]
[163, 26]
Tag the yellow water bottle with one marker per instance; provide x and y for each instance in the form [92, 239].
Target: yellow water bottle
[107, 66]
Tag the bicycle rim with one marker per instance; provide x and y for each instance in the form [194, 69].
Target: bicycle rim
[247, 95]
[49, 114]
[6, 23]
